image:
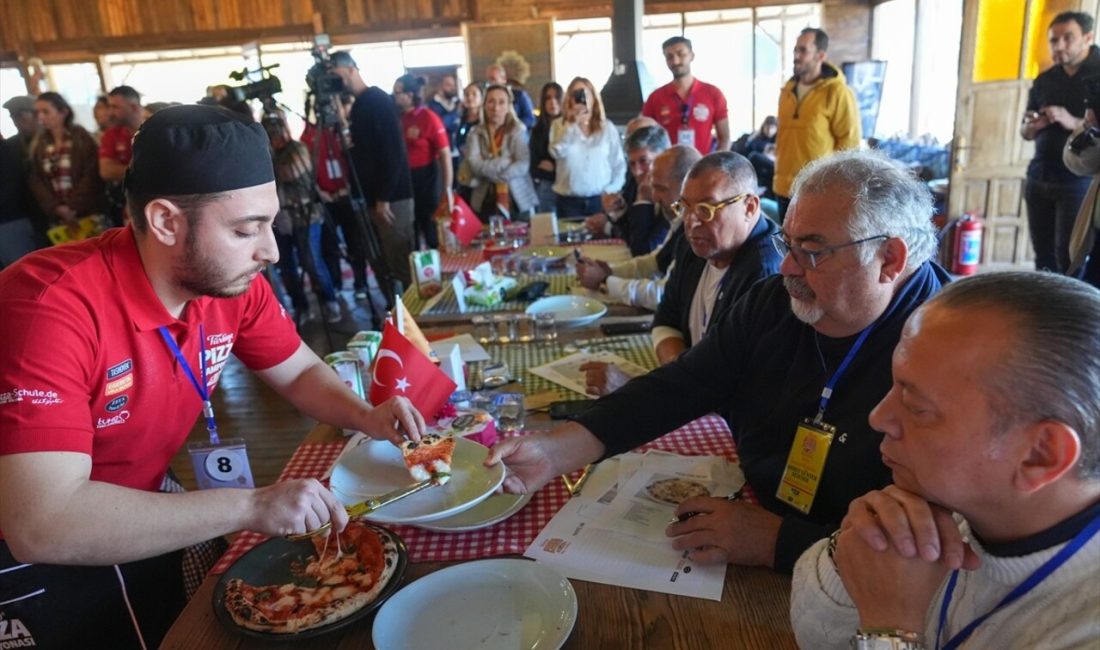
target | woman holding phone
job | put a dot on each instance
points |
(588, 152)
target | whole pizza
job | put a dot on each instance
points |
(343, 576)
(676, 490)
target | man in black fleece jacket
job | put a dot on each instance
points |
(382, 165)
(858, 242)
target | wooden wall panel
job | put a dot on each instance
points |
(82, 29)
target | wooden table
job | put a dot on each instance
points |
(753, 613)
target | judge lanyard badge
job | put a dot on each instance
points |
(221, 463)
(813, 437)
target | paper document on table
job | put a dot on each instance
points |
(566, 370)
(576, 545)
(470, 349)
(646, 501)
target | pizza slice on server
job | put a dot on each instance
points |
(429, 458)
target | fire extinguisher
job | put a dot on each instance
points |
(968, 245)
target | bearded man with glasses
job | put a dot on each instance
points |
(797, 364)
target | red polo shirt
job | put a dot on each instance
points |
(425, 136)
(117, 144)
(83, 367)
(703, 106)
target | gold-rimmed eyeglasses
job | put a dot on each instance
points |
(704, 211)
(810, 258)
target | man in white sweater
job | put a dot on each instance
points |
(640, 280)
(988, 538)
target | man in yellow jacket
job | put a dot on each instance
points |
(817, 114)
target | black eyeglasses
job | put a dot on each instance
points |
(704, 211)
(809, 259)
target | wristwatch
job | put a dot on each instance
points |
(887, 639)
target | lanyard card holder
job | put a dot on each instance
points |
(805, 465)
(224, 465)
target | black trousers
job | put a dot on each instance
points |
(426, 193)
(89, 607)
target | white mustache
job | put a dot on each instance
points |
(798, 289)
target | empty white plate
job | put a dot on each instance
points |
(569, 311)
(376, 467)
(499, 604)
(491, 511)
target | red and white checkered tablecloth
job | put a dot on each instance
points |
(707, 436)
(467, 259)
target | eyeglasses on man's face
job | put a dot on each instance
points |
(704, 211)
(810, 258)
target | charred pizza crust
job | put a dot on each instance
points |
(430, 457)
(332, 585)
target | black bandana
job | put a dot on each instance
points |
(198, 150)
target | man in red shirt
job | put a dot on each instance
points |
(99, 387)
(126, 115)
(689, 109)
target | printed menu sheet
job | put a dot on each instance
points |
(613, 532)
(566, 370)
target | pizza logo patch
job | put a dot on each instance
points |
(119, 385)
(701, 112)
(120, 369)
(412, 133)
(665, 111)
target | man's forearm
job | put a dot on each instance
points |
(318, 392)
(99, 523)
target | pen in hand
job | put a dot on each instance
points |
(736, 496)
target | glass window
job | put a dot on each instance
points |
(79, 84)
(583, 49)
(896, 21)
(11, 85)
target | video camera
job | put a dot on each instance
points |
(320, 78)
(263, 88)
(1089, 136)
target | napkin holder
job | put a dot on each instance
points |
(544, 229)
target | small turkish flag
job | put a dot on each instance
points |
(401, 369)
(464, 223)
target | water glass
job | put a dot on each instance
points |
(485, 330)
(546, 327)
(505, 327)
(525, 328)
(497, 228)
(510, 412)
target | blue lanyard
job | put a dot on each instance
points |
(1040, 574)
(200, 388)
(827, 392)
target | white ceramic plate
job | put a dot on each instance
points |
(493, 510)
(546, 253)
(376, 467)
(489, 604)
(569, 311)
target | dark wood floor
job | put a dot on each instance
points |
(247, 408)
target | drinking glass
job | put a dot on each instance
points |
(546, 327)
(497, 229)
(510, 412)
(485, 330)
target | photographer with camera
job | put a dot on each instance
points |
(588, 152)
(1055, 107)
(381, 163)
(1082, 157)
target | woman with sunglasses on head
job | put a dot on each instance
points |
(499, 159)
(543, 166)
(588, 151)
(429, 154)
(64, 175)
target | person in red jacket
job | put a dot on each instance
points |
(429, 154)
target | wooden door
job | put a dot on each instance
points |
(990, 157)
